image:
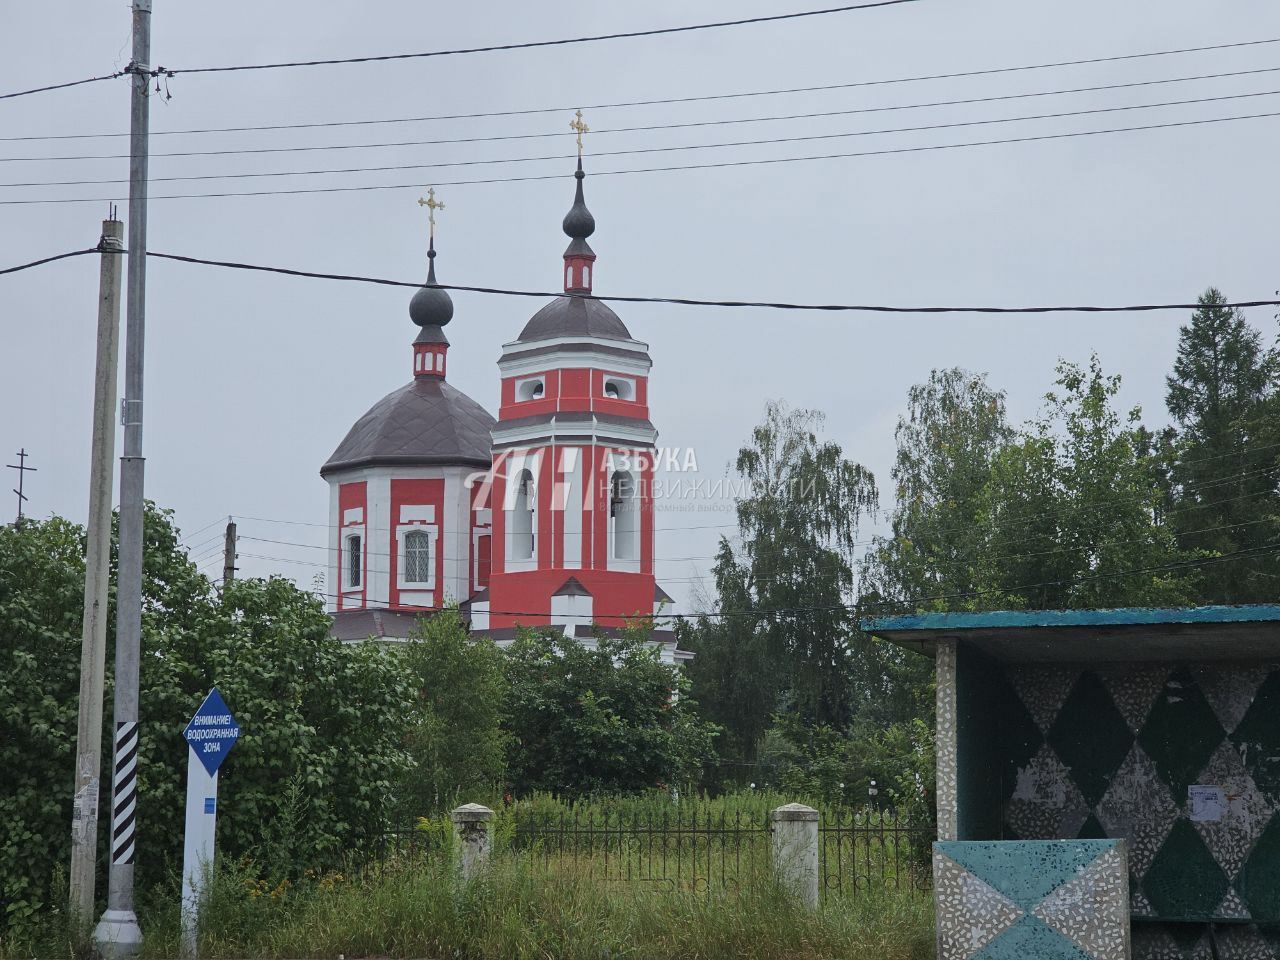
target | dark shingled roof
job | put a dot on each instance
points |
(572, 588)
(427, 421)
(354, 625)
(574, 317)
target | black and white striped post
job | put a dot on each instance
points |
(124, 794)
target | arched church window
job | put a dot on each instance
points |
(624, 516)
(417, 557)
(354, 561)
(522, 518)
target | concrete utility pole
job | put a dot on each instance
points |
(117, 935)
(229, 553)
(93, 642)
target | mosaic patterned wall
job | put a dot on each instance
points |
(1182, 760)
(1016, 900)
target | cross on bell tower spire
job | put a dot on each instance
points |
(432, 205)
(431, 307)
(579, 258)
(579, 126)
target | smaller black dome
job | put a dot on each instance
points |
(578, 222)
(431, 306)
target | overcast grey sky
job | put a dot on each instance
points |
(252, 380)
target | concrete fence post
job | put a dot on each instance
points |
(471, 829)
(795, 850)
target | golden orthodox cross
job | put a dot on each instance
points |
(432, 205)
(578, 126)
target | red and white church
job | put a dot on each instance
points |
(544, 517)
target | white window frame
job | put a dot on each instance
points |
(510, 562)
(626, 385)
(402, 553)
(527, 389)
(612, 560)
(355, 530)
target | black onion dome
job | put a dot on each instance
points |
(578, 222)
(574, 317)
(425, 422)
(431, 306)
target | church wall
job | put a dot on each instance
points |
(420, 504)
(352, 498)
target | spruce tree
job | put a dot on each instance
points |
(1226, 473)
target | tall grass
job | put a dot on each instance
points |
(512, 913)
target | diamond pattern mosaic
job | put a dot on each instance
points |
(1182, 761)
(1012, 900)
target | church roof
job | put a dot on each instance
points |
(425, 422)
(574, 317)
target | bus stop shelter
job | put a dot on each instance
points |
(1158, 727)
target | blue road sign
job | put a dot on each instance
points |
(212, 732)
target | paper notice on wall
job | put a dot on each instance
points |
(1208, 802)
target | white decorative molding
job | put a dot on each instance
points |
(417, 513)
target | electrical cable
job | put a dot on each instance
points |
(62, 86)
(664, 149)
(681, 301)
(249, 151)
(718, 165)
(858, 608)
(527, 45)
(786, 91)
(39, 263)
(685, 301)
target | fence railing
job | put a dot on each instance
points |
(691, 849)
(871, 849)
(682, 850)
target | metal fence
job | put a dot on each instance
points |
(859, 851)
(866, 850)
(687, 849)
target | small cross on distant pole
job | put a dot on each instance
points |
(579, 127)
(432, 205)
(23, 470)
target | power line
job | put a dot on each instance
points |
(761, 613)
(39, 263)
(685, 301)
(718, 165)
(785, 91)
(679, 301)
(527, 45)
(248, 151)
(647, 150)
(63, 86)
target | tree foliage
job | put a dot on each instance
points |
(455, 737)
(1224, 395)
(786, 640)
(608, 718)
(320, 749)
(947, 441)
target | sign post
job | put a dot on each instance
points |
(210, 735)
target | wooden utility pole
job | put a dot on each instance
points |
(93, 640)
(229, 553)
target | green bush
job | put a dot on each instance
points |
(604, 720)
(322, 724)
